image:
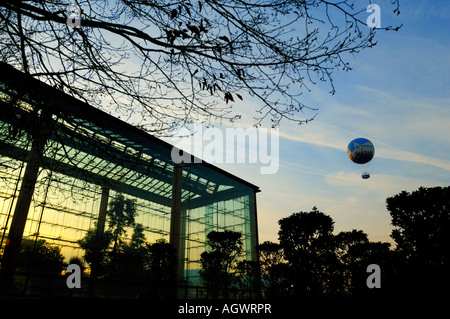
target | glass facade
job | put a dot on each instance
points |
(86, 158)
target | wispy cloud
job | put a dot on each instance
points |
(383, 184)
(334, 137)
(401, 129)
(401, 155)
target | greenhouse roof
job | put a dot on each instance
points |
(92, 145)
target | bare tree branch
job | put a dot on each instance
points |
(162, 64)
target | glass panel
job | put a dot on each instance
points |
(217, 203)
(82, 157)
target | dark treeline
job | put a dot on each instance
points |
(309, 261)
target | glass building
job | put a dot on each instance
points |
(62, 161)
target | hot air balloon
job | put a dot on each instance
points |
(361, 151)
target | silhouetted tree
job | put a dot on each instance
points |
(219, 262)
(248, 279)
(422, 234)
(275, 271)
(308, 244)
(161, 263)
(137, 243)
(127, 263)
(320, 264)
(121, 213)
(40, 256)
(95, 245)
(344, 278)
(364, 253)
(78, 261)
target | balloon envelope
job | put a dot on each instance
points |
(360, 150)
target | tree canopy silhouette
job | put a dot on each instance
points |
(220, 261)
(95, 245)
(160, 261)
(160, 65)
(308, 244)
(422, 233)
(274, 270)
(121, 213)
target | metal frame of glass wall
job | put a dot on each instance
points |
(88, 157)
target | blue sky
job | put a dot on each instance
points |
(397, 95)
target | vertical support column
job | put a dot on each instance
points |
(253, 225)
(182, 253)
(22, 206)
(209, 219)
(175, 219)
(254, 241)
(101, 221)
(248, 228)
(12, 248)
